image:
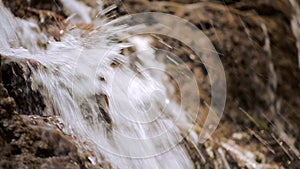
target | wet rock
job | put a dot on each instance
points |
(16, 79)
(49, 15)
(7, 104)
(34, 143)
(20, 7)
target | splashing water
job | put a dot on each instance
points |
(137, 126)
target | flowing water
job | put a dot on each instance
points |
(123, 105)
(136, 126)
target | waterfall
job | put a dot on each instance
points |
(135, 126)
